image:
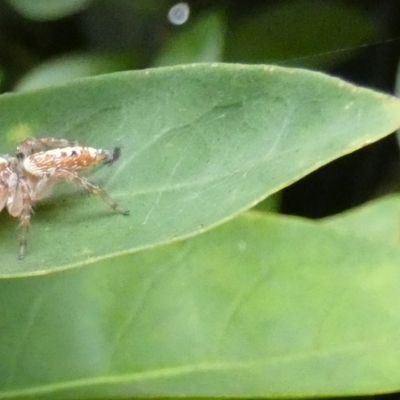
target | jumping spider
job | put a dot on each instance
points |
(40, 163)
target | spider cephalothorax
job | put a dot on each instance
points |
(40, 163)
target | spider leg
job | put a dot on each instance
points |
(22, 197)
(3, 195)
(70, 176)
(4, 176)
(36, 144)
(54, 143)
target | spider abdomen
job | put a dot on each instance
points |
(75, 158)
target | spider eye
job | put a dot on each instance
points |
(116, 153)
(20, 156)
(114, 157)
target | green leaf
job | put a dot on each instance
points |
(202, 42)
(271, 203)
(378, 220)
(66, 68)
(300, 33)
(228, 313)
(200, 144)
(44, 10)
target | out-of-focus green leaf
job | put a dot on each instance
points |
(200, 144)
(271, 203)
(68, 68)
(378, 220)
(228, 313)
(302, 33)
(202, 42)
(43, 10)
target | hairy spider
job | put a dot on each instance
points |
(40, 163)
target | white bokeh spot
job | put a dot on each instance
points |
(179, 13)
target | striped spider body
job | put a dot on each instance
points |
(39, 164)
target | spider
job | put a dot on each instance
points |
(40, 163)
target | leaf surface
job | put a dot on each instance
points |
(378, 220)
(228, 313)
(200, 144)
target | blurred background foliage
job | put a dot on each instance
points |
(47, 42)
